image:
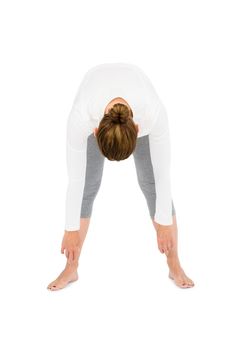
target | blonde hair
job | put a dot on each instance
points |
(117, 133)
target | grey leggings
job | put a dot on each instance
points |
(94, 171)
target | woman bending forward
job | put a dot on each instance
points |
(117, 112)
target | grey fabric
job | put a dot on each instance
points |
(94, 171)
(93, 178)
(145, 173)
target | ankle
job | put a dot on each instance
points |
(172, 259)
(71, 267)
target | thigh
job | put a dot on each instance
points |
(93, 177)
(145, 173)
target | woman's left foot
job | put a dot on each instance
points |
(177, 274)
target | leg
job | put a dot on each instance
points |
(145, 176)
(94, 171)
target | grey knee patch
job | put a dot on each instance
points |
(145, 173)
(93, 178)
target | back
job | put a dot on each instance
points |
(106, 81)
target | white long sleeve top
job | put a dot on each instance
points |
(98, 87)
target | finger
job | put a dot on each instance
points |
(75, 254)
(70, 260)
(62, 249)
(164, 247)
(167, 252)
(168, 248)
(161, 250)
(67, 254)
(160, 246)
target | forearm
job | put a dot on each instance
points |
(73, 204)
(160, 148)
(163, 213)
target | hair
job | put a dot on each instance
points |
(117, 133)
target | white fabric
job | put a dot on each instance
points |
(98, 87)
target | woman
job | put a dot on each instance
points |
(116, 113)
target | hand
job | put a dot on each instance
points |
(71, 245)
(165, 237)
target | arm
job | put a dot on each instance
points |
(76, 146)
(160, 148)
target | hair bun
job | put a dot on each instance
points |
(119, 119)
(119, 113)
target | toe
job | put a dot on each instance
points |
(187, 284)
(51, 284)
(54, 287)
(183, 283)
(180, 282)
(191, 283)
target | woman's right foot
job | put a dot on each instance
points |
(66, 276)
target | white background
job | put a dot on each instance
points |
(123, 298)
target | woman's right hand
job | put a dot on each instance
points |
(71, 245)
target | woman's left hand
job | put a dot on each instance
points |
(165, 237)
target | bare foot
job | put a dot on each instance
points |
(177, 274)
(65, 277)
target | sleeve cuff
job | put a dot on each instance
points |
(72, 228)
(163, 220)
